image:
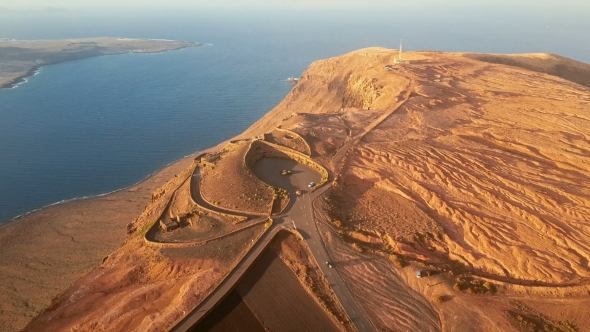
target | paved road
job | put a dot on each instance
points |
(302, 213)
(228, 284)
(298, 214)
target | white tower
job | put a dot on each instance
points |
(399, 59)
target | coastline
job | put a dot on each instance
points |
(16, 219)
(46, 250)
(21, 79)
(420, 297)
(34, 70)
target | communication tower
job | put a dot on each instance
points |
(399, 59)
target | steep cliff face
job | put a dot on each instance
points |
(361, 92)
(354, 81)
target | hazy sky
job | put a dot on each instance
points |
(40, 4)
(257, 4)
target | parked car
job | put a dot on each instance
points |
(425, 273)
(311, 184)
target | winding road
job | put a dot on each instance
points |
(298, 215)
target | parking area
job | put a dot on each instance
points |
(269, 170)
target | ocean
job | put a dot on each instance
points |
(92, 126)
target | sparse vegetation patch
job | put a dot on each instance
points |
(527, 320)
(471, 285)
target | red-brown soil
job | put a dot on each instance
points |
(389, 303)
(45, 252)
(324, 133)
(140, 288)
(275, 295)
(205, 224)
(483, 170)
(280, 292)
(552, 64)
(288, 139)
(181, 201)
(476, 171)
(496, 156)
(229, 184)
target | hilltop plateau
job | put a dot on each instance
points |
(469, 170)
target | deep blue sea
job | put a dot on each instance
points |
(93, 126)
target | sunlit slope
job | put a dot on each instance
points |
(497, 156)
(552, 64)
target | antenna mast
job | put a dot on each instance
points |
(399, 60)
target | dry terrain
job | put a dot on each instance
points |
(481, 175)
(324, 133)
(21, 58)
(288, 139)
(275, 294)
(472, 169)
(229, 184)
(45, 252)
(141, 288)
(204, 224)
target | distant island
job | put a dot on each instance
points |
(20, 59)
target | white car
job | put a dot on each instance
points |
(311, 185)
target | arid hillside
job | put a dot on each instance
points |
(459, 200)
(498, 157)
(474, 168)
(552, 64)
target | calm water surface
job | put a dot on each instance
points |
(92, 126)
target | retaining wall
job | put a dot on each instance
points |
(262, 149)
(205, 241)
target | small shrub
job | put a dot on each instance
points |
(268, 223)
(474, 286)
(440, 299)
(397, 261)
(357, 248)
